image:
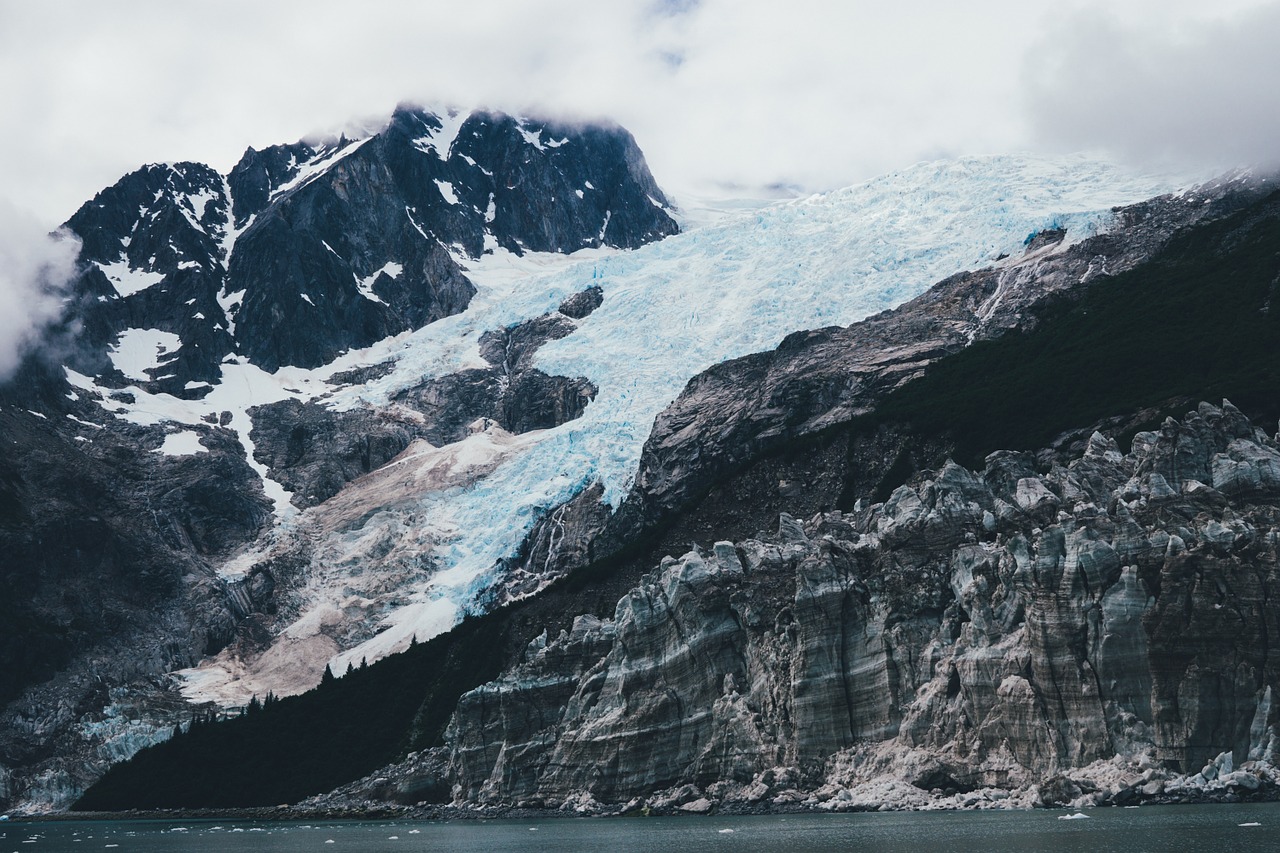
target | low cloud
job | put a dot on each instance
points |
(1202, 94)
(35, 268)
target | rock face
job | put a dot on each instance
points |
(978, 629)
(728, 425)
(114, 522)
(306, 250)
(108, 549)
(314, 451)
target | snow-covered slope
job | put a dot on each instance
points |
(670, 310)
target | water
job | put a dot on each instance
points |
(1152, 828)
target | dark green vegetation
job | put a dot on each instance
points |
(1199, 322)
(289, 749)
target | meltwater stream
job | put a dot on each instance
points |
(1240, 828)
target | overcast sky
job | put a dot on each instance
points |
(816, 93)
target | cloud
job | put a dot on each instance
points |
(1201, 93)
(35, 268)
(819, 93)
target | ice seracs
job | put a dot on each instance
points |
(670, 310)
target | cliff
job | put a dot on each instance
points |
(1096, 632)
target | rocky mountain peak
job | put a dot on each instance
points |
(310, 249)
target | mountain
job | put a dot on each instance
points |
(464, 374)
(1068, 623)
(132, 476)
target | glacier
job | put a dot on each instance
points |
(675, 308)
(734, 284)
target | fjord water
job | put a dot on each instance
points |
(1240, 828)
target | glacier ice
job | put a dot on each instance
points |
(674, 308)
(737, 284)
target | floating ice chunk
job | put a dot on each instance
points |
(1076, 816)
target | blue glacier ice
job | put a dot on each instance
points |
(674, 308)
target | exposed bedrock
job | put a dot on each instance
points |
(737, 443)
(314, 451)
(995, 628)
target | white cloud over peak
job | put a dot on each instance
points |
(818, 93)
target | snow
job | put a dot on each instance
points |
(184, 443)
(242, 386)
(532, 137)
(446, 190)
(439, 142)
(128, 280)
(324, 160)
(230, 303)
(193, 206)
(736, 283)
(760, 274)
(471, 162)
(365, 285)
(140, 350)
(408, 211)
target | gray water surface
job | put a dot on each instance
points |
(1152, 828)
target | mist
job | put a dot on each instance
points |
(35, 269)
(1201, 95)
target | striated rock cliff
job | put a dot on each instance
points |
(1100, 627)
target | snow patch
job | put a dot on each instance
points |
(128, 280)
(365, 285)
(184, 443)
(314, 168)
(438, 142)
(446, 191)
(532, 137)
(137, 351)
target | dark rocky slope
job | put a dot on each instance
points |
(344, 242)
(991, 629)
(891, 590)
(303, 251)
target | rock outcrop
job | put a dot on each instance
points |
(115, 519)
(307, 250)
(724, 433)
(314, 450)
(1018, 628)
